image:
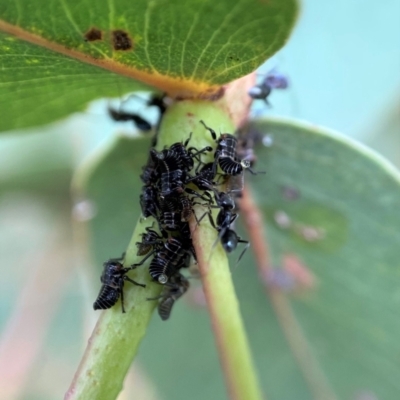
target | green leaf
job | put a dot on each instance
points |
(110, 179)
(349, 318)
(39, 85)
(49, 70)
(34, 163)
(334, 205)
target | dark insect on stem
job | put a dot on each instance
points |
(174, 165)
(179, 155)
(186, 208)
(173, 290)
(172, 182)
(187, 243)
(204, 179)
(170, 221)
(174, 210)
(150, 173)
(226, 154)
(225, 218)
(113, 279)
(165, 261)
(149, 201)
(151, 240)
(230, 240)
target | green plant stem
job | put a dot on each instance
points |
(116, 337)
(232, 344)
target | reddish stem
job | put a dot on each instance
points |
(308, 364)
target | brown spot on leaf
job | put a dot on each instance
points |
(93, 34)
(121, 40)
(234, 58)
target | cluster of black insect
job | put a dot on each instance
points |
(167, 197)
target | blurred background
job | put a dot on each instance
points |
(343, 63)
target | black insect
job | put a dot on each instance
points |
(179, 155)
(149, 201)
(158, 101)
(186, 208)
(175, 210)
(172, 182)
(170, 209)
(173, 165)
(230, 240)
(204, 178)
(122, 116)
(172, 172)
(165, 260)
(155, 100)
(226, 154)
(186, 239)
(173, 177)
(273, 80)
(150, 174)
(151, 240)
(113, 279)
(225, 218)
(173, 290)
(183, 157)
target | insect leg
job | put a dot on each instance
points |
(118, 258)
(188, 139)
(161, 296)
(133, 266)
(213, 134)
(255, 172)
(207, 148)
(220, 232)
(244, 250)
(134, 282)
(121, 290)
